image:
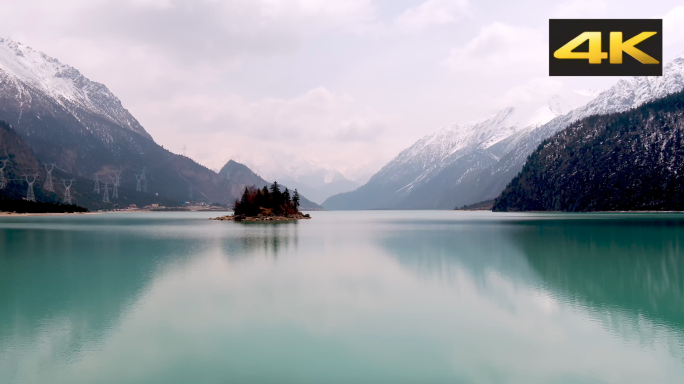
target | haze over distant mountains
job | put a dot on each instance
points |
(309, 176)
(81, 126)
(420, 176)
(67, 119)
(472, 162)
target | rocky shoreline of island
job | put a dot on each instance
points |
(239, 218)
(266, 205)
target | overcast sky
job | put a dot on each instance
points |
(345, 81)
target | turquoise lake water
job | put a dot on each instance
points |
(347, 297)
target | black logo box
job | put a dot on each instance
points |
(561, 31)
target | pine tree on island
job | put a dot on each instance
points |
(267, 202)
(295, 200)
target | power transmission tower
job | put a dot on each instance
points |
(184, 149)
(48, 178)
(105, 198)
(144, 181)
(3, 181)
(138, 178)
(115, 187)
(118, 177)
(116, 181)
(30, 196)
(97, 184)
(67, 190)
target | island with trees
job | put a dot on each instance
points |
(266, 204)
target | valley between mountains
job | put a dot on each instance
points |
(52, 114)
(63, 118)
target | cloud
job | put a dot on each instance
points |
(191, 30)
(580, 8)
(501, 48)
(318, 120)
(432, 12)
(534, 90)
(673, 26)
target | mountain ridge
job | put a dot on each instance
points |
(479, 172)
(82, 127)
(632, 160)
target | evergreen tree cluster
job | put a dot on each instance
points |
(23, 206)
(267, 201)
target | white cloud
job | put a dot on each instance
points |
(319, 123)
(580, 9)
(532, 91)
(673, 26)
(432, 12)
(501, 48)
(189, 30)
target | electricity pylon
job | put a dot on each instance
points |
(138, 178)
(48, 179)
(67, 190)
(97, 184)
(115, 187)
(105, 198)
(30, 196)
(3, 181)
(144, 181)
(117, 174)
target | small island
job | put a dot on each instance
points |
(266, 205)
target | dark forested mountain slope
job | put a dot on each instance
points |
(19, 161)
(632, 160)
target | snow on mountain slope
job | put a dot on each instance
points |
(472, 162)
(624, 95)
(25, 71)
(461, 148)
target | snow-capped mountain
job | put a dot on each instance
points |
(81, 126)
(624, 95)
(25, 72)
(311, 177)
(470, 146)
(471, 162)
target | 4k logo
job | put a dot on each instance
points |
(635, 47)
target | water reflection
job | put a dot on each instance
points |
(266, 239)
(626, 272)
(378, 297)
(75, 284)
(622, 270)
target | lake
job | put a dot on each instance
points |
(347, 297)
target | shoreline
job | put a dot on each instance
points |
(13, 214)
(260, 218)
